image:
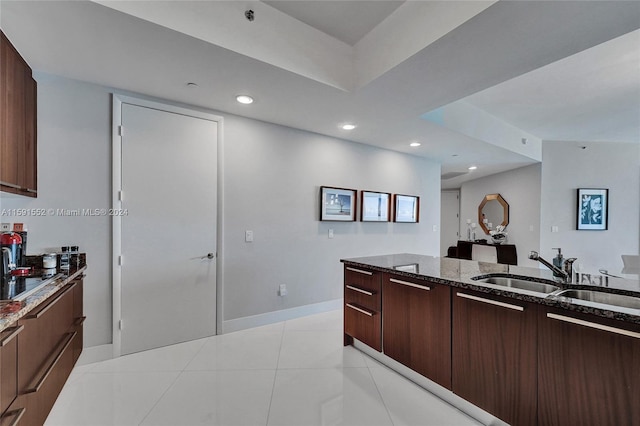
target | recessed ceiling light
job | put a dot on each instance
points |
(244, 99)
(473, 167)
(414, 144)
(348, 126)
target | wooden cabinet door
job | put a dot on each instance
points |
(416, 324)
(494, 355)
(28, 158)
(13, 128)
(588, 370)
(18, 118)
(8, 366)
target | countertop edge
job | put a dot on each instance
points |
(33, 301)
(475, 286)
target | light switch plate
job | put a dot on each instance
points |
(248, 236)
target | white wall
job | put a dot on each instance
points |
(74, 172)
(271, 179)
(521, 189)
(567, 167)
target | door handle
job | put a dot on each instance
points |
(206, 256)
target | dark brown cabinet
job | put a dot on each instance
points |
(362, 307)
(8, 367)
(18, 118)
(416, 326)
(48, 349)
(588, 370)
(494, 363)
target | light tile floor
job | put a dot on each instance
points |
(291, 373)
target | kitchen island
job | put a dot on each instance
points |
(526, 355)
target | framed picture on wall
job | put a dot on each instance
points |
(375, 206)
(407, 208)
(593, 209)
(338, 204)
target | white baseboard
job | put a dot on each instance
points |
(278, 316)
(95, 354)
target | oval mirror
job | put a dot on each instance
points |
(493, 210)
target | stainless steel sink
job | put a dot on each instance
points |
(519, 284)
(611, 299)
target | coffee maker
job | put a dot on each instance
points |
(11, 246)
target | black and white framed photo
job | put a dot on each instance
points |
(375, 206)
(338, 204)
(407, 208)
(593, 209)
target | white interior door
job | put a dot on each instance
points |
(168, 235)
(449, 220)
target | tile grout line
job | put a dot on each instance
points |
(174, 380)
(275, 375)
(384, 403)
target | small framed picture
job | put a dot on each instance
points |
(375, 206)
(407, 208)
(593, 209)
(338, 204)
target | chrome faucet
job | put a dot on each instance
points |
(556, 271)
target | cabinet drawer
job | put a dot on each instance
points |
(362, 279)
(363, 324)
(8, 366)
(362, 297)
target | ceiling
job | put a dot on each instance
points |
(494, 74)
(346, 20)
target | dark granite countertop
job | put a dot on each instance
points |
(458, 273)
(11, 311)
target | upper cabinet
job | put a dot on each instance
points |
(18, 119)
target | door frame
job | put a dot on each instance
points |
(117, 101)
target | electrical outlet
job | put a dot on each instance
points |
(330, 233)
(282, 290)
(5, 227)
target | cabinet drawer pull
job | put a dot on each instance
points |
(16, 414)
(594, 325)
(359, 290)
(79, 321)
(349, 305)
(421, 287)
(50, 304)
(65, 345)
(360, 271)
(13, 332)
(491, 302)
(10, 185)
